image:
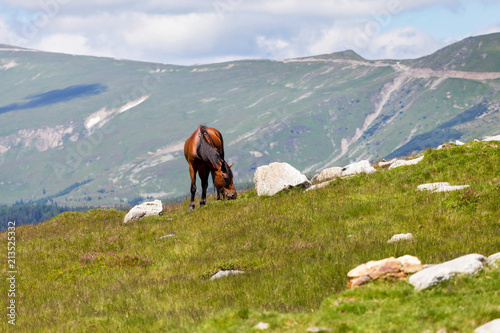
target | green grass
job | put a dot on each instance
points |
(89, 272)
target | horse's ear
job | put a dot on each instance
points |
(230, 165)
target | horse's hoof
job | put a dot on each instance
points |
(191, 209)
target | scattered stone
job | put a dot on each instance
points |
(400, 237)
(491, 327)
(326, 175)
(275, 177)
(399, 163)
(459, 143)
(493, 259)
(445, 146)
(389, 268)
(441, 187)
(383, 163)
(262, 326)
(493, 145)
(492, 138)
(317, 186)
(221, 274)
(358, 167)
(319, 329)
(432, 186)
(468, 264)
(450, 188)
(152, 208)
(171, 235)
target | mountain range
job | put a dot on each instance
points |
(80, 130)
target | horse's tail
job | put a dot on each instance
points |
(205, 135)
(205, 149)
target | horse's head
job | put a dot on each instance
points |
(223, 180)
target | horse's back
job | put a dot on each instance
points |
(192, 142)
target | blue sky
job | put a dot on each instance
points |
(208, 31)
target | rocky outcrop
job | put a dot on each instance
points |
(275, 177)
(469, 264)
(153, 208)
(389, 268)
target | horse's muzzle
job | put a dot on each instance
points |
(231, 196)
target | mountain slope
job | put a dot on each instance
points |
(84, 130)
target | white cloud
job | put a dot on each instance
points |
(193, 31)
(172, 33)
(65, 43)
(402, 43)
(487, 30)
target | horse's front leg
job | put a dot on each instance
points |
(192, 173)
(219, 197)
(204, 185)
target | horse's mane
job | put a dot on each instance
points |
(205, 151)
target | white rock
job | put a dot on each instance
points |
(493, 259)
(319, 329)
(491, 327)
(383, 163)
(459, 143)
(450, 188)
(317, 186)
(469, 264)
(432, 186)
(261, 326)
(441, 187)
(167, 236)
(358, 167)
(400, 237)
(326, 175)
(152, 208)
(399, 163)
(225, 273)
(492, 138)
(275, 177)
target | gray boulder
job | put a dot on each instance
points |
(152, 208)
(468, 264)
(326, 175)
(358, 167)
(491, 327)
(275, 177)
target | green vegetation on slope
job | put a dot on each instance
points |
(89, 272)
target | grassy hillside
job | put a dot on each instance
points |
(89, 272)
(115, 127)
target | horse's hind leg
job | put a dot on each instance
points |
(204, 186)
(192, 173)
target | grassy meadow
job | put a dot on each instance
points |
(87, 272)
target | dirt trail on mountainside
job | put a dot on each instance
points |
(404, 74)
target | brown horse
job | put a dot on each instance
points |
(204, 152)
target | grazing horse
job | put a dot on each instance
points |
(204, 152)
